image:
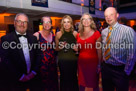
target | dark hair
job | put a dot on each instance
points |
(134, 27)
(46, 17)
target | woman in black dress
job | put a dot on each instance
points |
(67, 59)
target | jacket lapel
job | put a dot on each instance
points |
(20, 51)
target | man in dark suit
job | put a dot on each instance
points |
(20, 60)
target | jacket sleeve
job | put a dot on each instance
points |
(7, 63)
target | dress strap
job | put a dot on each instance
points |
(39, 35)
(39, 32)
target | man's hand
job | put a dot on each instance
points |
(24, 78)
(31, 75)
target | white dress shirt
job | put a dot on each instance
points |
(24, 44)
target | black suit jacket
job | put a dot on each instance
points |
(13, 60)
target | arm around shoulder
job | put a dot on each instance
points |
(99, 49)
(75, 33)
(57, 37)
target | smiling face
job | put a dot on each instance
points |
(21, 24)
(66, 24)
(46, 23)
(111, 16)
(86, 20)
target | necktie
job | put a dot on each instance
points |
(19, 35)
(108, 41)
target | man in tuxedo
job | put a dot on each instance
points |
(20, 58)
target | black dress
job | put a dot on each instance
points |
(67, 62)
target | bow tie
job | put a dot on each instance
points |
(19, 35)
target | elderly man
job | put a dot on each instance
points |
(20, 61)
(118, 53)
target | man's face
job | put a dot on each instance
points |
(21, 24)
(111, 16)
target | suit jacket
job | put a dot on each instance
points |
(13, 60)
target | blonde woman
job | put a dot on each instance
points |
(67, 60)
(89, 56)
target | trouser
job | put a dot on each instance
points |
(33, 85)
(114, 77)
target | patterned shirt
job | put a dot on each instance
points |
(121, 47)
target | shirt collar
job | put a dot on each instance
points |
(19, 33)
(115, 25)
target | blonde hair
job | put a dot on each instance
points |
(92, 25)
(62, 23)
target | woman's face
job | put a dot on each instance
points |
(86, 21)
(46, 23)
(66, 24)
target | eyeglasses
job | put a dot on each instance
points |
(20, 22)
(86, 19)
(46, 22)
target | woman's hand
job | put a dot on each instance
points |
(98, 68)
(75, 47)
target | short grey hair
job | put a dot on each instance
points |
(21, 14)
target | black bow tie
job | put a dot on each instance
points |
(19, 35)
